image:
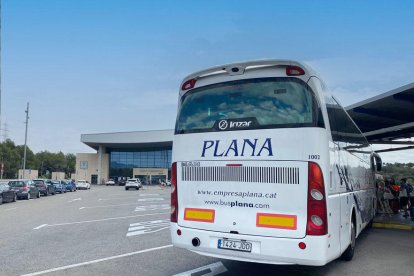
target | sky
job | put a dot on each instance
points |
(97, 66)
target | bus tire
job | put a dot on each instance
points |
(349, 252)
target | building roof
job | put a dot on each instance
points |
(128, 140)
(386, 117)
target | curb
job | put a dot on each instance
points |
(392, 226)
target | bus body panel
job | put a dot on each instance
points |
(265, 249)
(211, 183)
(273, 184)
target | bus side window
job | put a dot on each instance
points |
(332, 108)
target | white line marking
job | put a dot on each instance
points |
(149, 194)
(97, 261)
(76, 199)
(129, 234)
(151, 199)
(40, 226)
(147, 227)
(211, 270)
(10, 209)
(135, 228)
(150, 222)
(98, 220)
(116, 198)
(152, 207)
(105, 206)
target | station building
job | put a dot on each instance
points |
(138, 154)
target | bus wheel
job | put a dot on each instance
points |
(349, 252)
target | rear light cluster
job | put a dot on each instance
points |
(317, 223)
(188, 84)
(291, 70)
(174, 198)
(294, 71)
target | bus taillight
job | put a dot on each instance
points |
(174, 198)
(188, 84)
(317, 223)
(294, 71)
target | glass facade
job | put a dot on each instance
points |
(122, 161)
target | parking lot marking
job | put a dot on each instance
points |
(117, 198)
(208, 270)
(151, 199)
(99, 220)
(152, 207)
(10, 209)
(40, 226)
(150, 222)
(76, 199)
(105, 206)
(98, 260)
(149, 194)
(147, 227)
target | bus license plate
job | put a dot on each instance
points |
(234, 245)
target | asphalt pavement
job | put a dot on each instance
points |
(110, 231)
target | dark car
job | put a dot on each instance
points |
(60, 186)
(6, 194)
(24, 189)
(70, 186)
(44, 187)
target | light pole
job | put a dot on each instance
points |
(25, 141)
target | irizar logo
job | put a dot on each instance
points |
(240, 124)
(245, 147)
(224, 124)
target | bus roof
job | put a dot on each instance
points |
(238, 68)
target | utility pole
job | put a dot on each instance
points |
(0, 71)
(25, 141)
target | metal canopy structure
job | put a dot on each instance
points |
(387, 117)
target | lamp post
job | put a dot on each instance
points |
(25, 141)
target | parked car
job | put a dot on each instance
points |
(44, 187)
(7, 194)
(24, 189)
(83, 185)
(168, 183)
(70, 186)
(133, 183)
(122, 182)
(110, 182)
(59, 186)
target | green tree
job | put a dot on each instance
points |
(397, 171)
(49, 162)
(10, 157)
(30, 157)
(70, 163)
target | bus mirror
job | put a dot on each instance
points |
(378, 162)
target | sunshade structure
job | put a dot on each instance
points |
(387, 117)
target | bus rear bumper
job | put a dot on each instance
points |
(267, 250)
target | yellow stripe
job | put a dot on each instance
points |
(276, 221)
(203, 215)
(392, 226)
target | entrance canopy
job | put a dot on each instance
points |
(387, 117)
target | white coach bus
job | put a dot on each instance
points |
(268, 167)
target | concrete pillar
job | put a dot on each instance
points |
(100, 160)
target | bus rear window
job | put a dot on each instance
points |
(248, 104)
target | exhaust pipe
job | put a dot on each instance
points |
(196, 242)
